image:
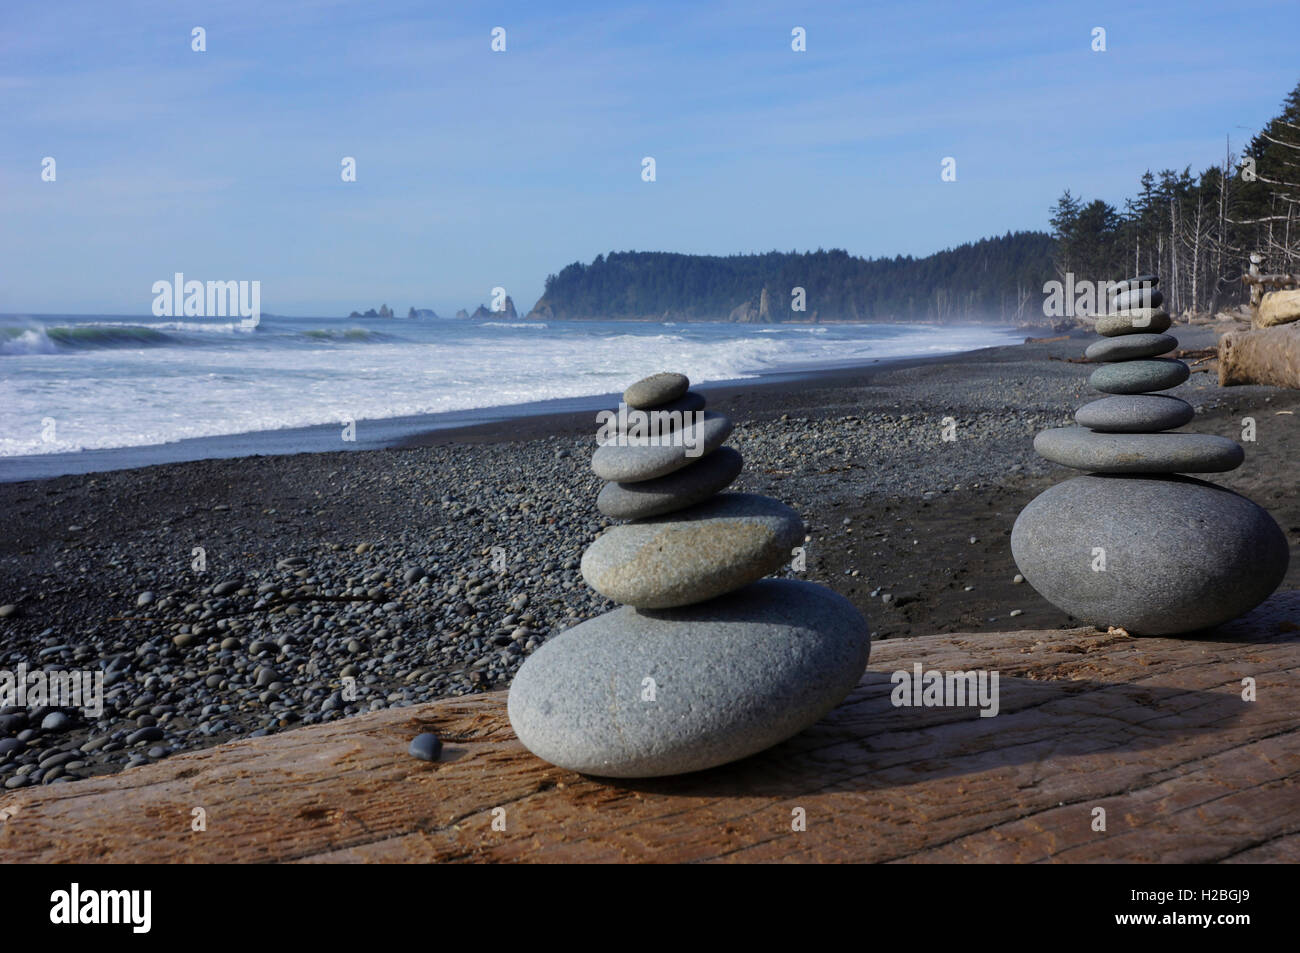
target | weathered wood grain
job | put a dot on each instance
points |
(1261, 356)
(1155, 731)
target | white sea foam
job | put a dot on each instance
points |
(113, 383)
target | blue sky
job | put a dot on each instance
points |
(477, 169)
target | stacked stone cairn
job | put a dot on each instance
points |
(1135, 543)
(706, 662)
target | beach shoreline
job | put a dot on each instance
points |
(434, 566)
(525, 420)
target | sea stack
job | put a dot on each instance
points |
(1136, 543)
(706, 662)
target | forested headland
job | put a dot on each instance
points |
(1195, 231)
(993, 279)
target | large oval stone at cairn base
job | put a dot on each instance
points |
(1138, 377)
(1180, 554)
(1135, 413)
(644, 460)
(691, 484)
(725, 678)
(1128, 346)
(1085, 449)
(1139, 321)
(692, 554)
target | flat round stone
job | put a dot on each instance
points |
(639, 459)
(1135, 413)
(1139, 321)
(1138, 377)
(639, 694)
(656, 389)
(1085, 449)
(693, 554)
(1130, 346)
(1140, 281)
(692, 484)
(667, 417)
(1146, 297)
(1157, 555)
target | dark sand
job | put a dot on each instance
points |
(891, 508)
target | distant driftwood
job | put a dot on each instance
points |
(1278, 307)
(1155, 732)
(1261, 356)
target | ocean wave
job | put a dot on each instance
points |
(233, 326)
(78, 338)
(347, 334)
(513, 324)
(296, 373)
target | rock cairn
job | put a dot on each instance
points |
(1135, 543)
(706, 662)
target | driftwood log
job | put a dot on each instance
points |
(1271, 281)
(1154, 731)
(1278, 307)
(1261, 356)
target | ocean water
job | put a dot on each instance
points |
(70, 383)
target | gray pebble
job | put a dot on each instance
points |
(693, 554)
(1140, 321)
(1135, 413)
(656, 389)
(55, 721)
(692, 484)
(152, 733)
(1146, 297)
(1138, 377)
(1085, 449)
(633, 463)
(1126, 347)
(426, 747)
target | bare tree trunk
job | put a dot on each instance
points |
(1196, 256)
(1173, 255)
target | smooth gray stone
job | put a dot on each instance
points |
(1130, 346)
(688, 404)
(425, 746)
(55, 721)
(1084, 449)
(693, 554)
(1180, 554)
(1138, 377)
(1146, 297)
(1135, 413)
(656, 389)
(682, 488)
(636, 462)
(150, 733)
(638, 694)
(1140, 281)
(1139, 321)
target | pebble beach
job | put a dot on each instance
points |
(244, 596)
